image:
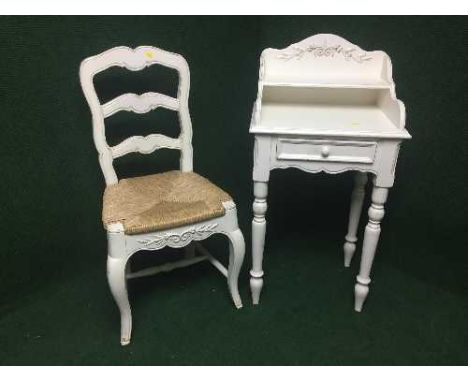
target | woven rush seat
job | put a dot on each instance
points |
(166, 200)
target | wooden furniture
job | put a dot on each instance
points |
(325, 104)
(171, 209)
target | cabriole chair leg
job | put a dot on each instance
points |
(236, 258)
(116, 276)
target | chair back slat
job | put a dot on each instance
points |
(139, 103)
(137, 59)
(145, 145)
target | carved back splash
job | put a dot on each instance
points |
(321, 57)
(137, 59)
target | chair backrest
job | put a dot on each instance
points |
(137, 59)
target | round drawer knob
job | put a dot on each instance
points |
(325, 151)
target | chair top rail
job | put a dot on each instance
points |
(133, 59)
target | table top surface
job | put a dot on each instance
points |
(326, 120)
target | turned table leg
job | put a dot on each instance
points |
(258, 239)
(357, 199)
(371, 238)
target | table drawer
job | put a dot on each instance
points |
(325, 150)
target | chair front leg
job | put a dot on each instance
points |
(116, 276)
(236, 258)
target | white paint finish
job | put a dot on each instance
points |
(121, 246)
(211, 259)
(326, 150)
(145, 145)
(357, 200)
(189, 259)
(258, 239)
(116, 276)
(332, 83)
(330, 120)
(174, 238)
(263, 151)
(236, 257)
(382, 165)
(323, 96)
(137, 59)
(139, 103)
(166, 267)
(307, 79)
(369, 246)
(326, 105)
(324, 58)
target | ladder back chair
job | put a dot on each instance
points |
(173, 208)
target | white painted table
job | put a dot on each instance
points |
(325, 104)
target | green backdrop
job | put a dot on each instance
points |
(55, 307)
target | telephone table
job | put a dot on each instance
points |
(326, 105)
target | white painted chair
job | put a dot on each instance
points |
(169, 209)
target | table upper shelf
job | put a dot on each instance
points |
(324, 85)
(344, 83)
